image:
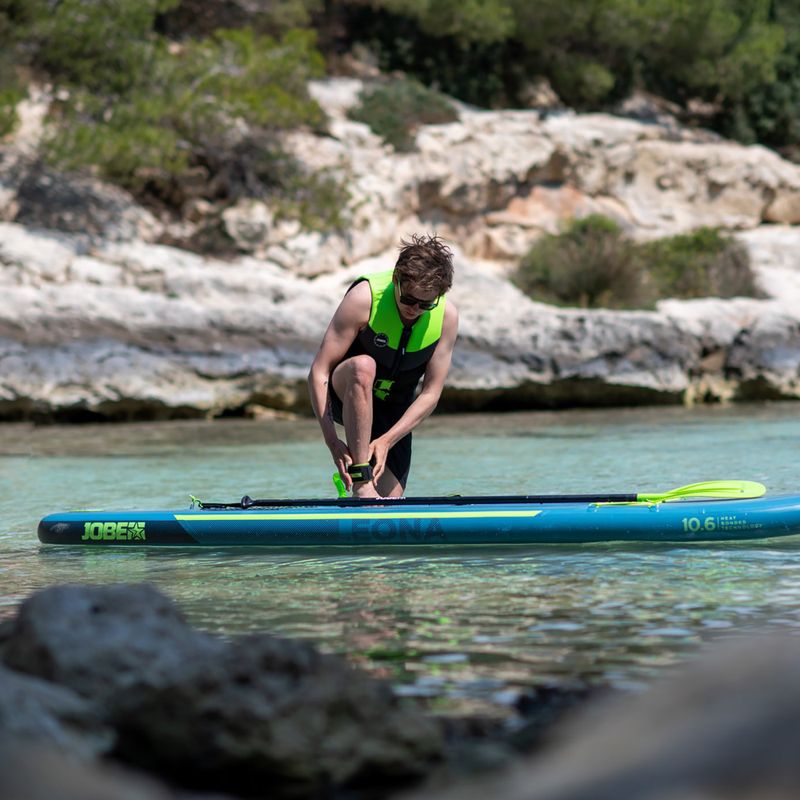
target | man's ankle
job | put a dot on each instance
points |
(365, 489)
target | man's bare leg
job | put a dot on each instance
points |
(388, 485)
(353, 380)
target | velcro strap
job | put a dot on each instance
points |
(360, 472)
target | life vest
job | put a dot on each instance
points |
(401, 352)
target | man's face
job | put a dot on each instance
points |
(413, 301)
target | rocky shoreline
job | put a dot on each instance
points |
(108, 692)
(101, 320)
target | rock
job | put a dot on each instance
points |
(207, 712)
(138, 331)
(480, 164)
(33, 710)
(76, 204)
(540, 355)
(774, 251)
(725, 726)
(38, 773)
(252, 226)
(540, 94)
(766, 358)
(34, 258)
(784, 209)
(80, 638)
(649, 108)
(337, 95)
(110, 326)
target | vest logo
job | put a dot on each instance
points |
(382, 387)
(380, 340)
(113, 531)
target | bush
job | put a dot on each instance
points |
(106, 46)
(728, 53)
(199, 18)
(209, 107)
(9, 97)
(14, 15)
(396, 109)
(10, 94)
(705, 263)
(593, 265)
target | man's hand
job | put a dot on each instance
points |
(378, 453)
(342, 459)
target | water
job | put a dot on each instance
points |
(469, 628)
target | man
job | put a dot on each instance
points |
(391, 329)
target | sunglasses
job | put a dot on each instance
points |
(410, 300)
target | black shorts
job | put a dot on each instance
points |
(384, 416)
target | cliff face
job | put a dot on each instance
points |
(97, 318)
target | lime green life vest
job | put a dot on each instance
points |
(401, 351)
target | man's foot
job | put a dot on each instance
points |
(365, 490)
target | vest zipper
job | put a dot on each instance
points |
(401, 350)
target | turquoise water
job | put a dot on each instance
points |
(471, 627)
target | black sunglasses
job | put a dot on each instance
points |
(410, 300)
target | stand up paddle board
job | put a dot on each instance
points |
(714, 511)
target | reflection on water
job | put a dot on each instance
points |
(470, 624)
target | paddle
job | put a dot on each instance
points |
(711, 490)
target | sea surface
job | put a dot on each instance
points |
(471, 628)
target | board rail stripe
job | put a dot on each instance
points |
(349, 515)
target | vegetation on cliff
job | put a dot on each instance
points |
(734, 62)
(397, 107)
(593, 264)
(731, 64)
(173, 119)
(184, 102)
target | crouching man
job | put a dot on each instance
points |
(390, 329)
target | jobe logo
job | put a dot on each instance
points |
(113, 531)
(381, 340)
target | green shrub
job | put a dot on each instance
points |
(704, 263)
(9, 97)
(319, 200)
(396, 109)
(198, 18)
(14, 16)
(729, 53)
(106, 46)
(594, 265)
(11, 92)
(213, 105)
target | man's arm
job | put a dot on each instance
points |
(428, 398)
(350, 317)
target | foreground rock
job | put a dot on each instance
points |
(203, 712)
(118, 672)
(33, 710)
(30, 772)
(727, 726)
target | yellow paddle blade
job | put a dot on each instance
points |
(712, 490)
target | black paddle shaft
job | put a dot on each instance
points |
(455, 500)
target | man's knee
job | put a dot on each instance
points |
(360, 372)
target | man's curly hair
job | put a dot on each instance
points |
(426, 263)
